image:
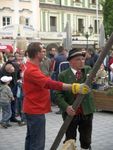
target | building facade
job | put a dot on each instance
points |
(19, 22)
(82, 14)
(47, 19)
(19, 17)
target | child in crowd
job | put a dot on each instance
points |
(6, 96)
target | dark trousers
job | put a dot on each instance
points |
(19, 104)
(35, 137)
(84, 125)
(13, 109)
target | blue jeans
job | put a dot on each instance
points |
(6, 112)
(35, 137)
(19, 106)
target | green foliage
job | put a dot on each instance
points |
(108, 16)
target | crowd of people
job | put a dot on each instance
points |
(32, 81)
(11, 67)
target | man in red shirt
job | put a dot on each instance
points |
(37, 97)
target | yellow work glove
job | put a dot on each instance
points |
(80, 88)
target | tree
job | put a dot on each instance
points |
(108, 16)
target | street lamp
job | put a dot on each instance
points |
(87, 34)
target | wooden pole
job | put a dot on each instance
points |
(81, 97)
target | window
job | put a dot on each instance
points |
(80, 25)
(53, 23)
(6, 21)
(78, 1)
(27, 22)
(93, 1)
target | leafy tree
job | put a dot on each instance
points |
(108, 16)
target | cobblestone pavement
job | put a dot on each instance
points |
(13, 137)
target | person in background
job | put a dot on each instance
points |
(52, 52)
(36, 101)
(82, 118)
(18, 58)
(4, 56)
(25, 57)
(1, 60)
(10, 57)
(9, 69)
(91, 57)
(88, 58)
(6, 96)
(60, 58)
(101, 79)
(19, 101)
(111, 67)
(51, 55)
(45, 64)
(105, 62)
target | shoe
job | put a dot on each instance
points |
(22, 123)
(86, 149)
(53, 104)
(9, 125)
(15, 120)
(90, 148)
(4, 125)
(58, 112)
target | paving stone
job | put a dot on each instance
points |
(13, 137)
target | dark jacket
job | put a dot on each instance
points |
(15, 75)
(58, 59)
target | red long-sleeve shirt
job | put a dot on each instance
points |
(36, 90)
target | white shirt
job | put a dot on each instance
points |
(74, 71)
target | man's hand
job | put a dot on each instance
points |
(70, 111)
(80, 88)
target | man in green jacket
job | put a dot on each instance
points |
(82, 118)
